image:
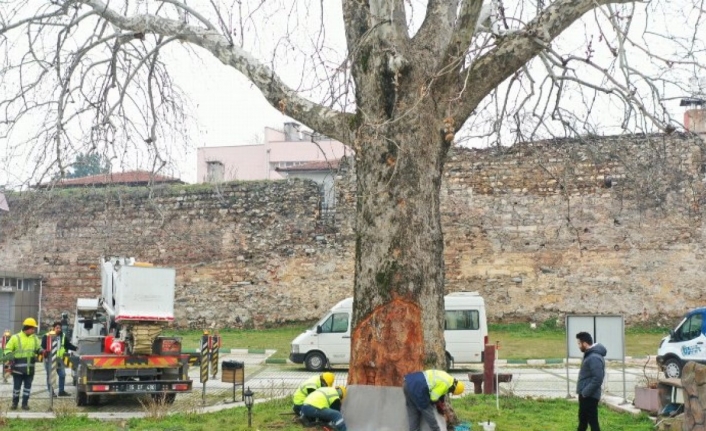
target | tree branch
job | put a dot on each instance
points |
(436, 30)
(322, 119)
(515, 50)
(464, 29)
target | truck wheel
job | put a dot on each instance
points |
(672, 368)
(81, 399)
(315, 362)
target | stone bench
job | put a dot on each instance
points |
(478, 378)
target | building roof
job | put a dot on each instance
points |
(130, 178)
(326, 165)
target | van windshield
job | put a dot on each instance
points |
(334, 323)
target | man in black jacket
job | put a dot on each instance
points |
(590, 381)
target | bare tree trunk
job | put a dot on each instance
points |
(399, 279)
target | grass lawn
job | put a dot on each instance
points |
(515, 414)
(517, 341)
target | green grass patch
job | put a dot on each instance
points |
(255, 340)
(515, 414)
(524, 414)
(519, 341)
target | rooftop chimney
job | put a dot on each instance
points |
(695, 115)
(291, 132)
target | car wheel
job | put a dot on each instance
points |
(672, 368)
(315, 361)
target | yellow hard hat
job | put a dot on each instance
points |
(328, 378)
(342, 391)
(458, 389)
(29, 322)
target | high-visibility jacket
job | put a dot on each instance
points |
(439, 383)
(324, 398)
(61, 340)
(24, 349)
(308, 386)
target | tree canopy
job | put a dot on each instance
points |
(400, 81)
(88, 164)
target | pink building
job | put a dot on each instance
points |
(282, 149)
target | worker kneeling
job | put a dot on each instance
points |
(325, 404)
(308, 386)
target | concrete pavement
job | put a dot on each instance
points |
(279, 380)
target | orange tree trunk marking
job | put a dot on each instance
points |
(387, 345)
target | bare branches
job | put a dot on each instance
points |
(273, 89)
(517, 49)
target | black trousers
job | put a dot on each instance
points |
(588, 414)
(20, 380)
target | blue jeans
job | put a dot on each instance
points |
(60, 371)
(327, 415)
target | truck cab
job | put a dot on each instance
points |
(687, 342)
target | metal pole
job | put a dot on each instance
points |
(39, 306)
(5, 338)
(53, 348)
(625, 399)
(215, 347)
(497, 378)
(205, 361)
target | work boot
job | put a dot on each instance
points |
(64, 394)
(13, 407)
(25, 407)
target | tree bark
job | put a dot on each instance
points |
(399, 276)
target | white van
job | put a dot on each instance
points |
(687, 342)
(329, 341)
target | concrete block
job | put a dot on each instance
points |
(378, 408)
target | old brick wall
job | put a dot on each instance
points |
(609, 224)
(244, 252)
(539, 233)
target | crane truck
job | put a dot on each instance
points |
(120, 349)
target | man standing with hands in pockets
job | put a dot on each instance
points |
(590, 381)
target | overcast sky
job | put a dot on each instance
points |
(228, 110)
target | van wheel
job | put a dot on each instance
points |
(315, 362)
(672, 368)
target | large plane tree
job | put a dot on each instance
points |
(410, 79)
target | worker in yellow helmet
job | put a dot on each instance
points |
(424, 391)
(308, 386)
(324, 404)
(22, 350)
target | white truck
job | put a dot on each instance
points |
(120, 350)
(329, 341)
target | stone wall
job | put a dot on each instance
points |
(244, 252)
(609, 225)
(603, 225)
